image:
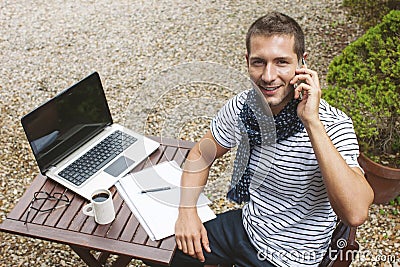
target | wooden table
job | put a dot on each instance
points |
(124, 237)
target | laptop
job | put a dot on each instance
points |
(76, 143)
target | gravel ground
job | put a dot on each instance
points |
(147, 51)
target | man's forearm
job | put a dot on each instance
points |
(348, 191)
(194, 178)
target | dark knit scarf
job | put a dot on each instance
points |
(259, 128)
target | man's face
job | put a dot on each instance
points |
(272, 63)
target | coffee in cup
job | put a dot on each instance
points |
(101, 207)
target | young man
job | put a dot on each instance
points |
(311, 177)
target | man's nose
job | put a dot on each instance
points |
(269, 73)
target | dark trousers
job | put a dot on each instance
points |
(228, 242)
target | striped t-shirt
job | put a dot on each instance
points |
(289, 218)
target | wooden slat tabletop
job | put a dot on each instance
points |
(68, 225)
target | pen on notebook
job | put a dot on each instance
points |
(155, 189)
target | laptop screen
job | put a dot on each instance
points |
(61, 125)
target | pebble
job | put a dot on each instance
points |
(46, 46)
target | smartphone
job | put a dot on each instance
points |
(303, 64)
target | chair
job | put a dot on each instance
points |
(342, 249)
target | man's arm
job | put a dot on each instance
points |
(190, 233)
(349, 192)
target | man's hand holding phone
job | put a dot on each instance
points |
(308, 91)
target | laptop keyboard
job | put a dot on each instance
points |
(97, 157)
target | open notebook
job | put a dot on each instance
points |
(153, 196)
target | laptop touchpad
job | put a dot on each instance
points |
(118, 166)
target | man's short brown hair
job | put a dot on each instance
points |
(276, 23)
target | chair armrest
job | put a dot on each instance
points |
(343, 247)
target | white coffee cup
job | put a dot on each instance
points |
(101, 207)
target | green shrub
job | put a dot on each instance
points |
(364, 81)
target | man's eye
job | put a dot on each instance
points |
(282, 62)
(258, 63)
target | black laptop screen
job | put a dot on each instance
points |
(64, 123)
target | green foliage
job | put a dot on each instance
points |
(364, 81)
(368, 13)
(395, 203)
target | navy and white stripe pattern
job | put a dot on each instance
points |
(259, 127)
(289, 218)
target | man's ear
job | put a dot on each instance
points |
(247, 60)
(305, 55)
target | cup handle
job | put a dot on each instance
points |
(88, 209)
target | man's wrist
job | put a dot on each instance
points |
(314, 126)
(187, 209)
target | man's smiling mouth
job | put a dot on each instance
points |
(270, 88)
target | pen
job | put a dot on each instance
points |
(155, 189)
